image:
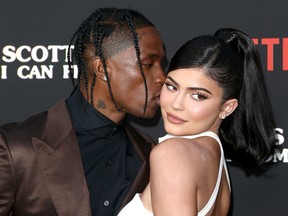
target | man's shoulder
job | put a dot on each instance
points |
(31, 126)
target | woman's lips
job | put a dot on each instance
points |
(174, 119)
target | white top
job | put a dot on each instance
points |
(136, 207)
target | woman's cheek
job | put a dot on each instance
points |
(164, 99)
(198, 112)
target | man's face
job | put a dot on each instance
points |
(126, 80)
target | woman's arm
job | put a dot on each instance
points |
(173, 179)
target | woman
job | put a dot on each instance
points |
(214, 91)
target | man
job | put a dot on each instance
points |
(81, 157)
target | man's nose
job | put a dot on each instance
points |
(160, 76)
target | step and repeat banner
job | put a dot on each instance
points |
(34, 38)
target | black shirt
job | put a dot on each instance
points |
(109, 160)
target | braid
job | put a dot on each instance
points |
(92, 87)
(77, 35)
(79, 43)
(98, 38)
(136, 45)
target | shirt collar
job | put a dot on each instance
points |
(84, 116)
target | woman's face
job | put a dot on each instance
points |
(190, 102)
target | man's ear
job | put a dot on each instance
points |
(98, 69)
(228, 107)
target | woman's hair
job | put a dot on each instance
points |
(108, 31)
(230, 58)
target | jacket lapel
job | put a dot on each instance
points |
(60, 161)
(143, 148)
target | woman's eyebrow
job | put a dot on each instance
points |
(190, 88)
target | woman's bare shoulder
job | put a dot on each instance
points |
(183, 167)
(190, 154)
(198, 148)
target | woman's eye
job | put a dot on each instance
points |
(198, 96)
(171, 87)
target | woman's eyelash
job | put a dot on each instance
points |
(170, 86)
(195, 95)
(199, 96)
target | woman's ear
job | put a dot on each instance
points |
(228, 107)
(98, 69)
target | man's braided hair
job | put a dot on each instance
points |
(109, 31)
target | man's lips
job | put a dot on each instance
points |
(174, 119)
